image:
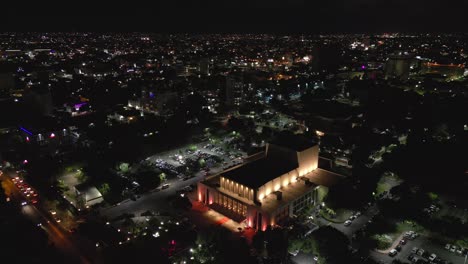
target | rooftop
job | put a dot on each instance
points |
(297, 189)
(258, 172)
(293, 191)
(294, 142)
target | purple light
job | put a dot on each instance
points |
(25, 161)
(78, 106)
(52, 135)
(27, 131)
(363, 67)
(151, 94)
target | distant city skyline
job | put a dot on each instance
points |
(277, 16)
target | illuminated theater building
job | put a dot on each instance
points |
(274, 185)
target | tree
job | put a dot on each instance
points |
(148, 179)
(332, 245)
(124, 167)
(104, 189)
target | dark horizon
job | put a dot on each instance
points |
(258, 16)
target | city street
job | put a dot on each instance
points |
(57, 235)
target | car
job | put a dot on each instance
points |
(23, 203)
(399, 247)
(352, 217)
(34, 201)
(432, 257)
(448, 246)
(420, 252)
(315, 258)
(414, 250)
(402, 242)
(392, 253)
(165, 186)
(357, 214)
(453, 248)
(347, 223)
(460, 251)
(294, 253)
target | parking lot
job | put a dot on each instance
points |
(176, 181)
(429, 247)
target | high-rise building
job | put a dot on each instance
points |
(204, 66)
(398, 66)
(7, 83)
(234, 90)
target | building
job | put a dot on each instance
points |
(398, 66)
(204, 66)
(7, 83)
(234, 91)
(125, 116)
(446, 71)
(271, 187)
(87, 195)
(157, 102)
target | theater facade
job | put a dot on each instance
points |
(269, 187)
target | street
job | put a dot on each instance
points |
(60, 238)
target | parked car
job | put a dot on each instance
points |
(402, 242)
(165, 186)
(420, 252)
(347, 223)
(294, 253)
(392, 253)
(399, 248)
(453, 248)
(414, 250)
(448, 246)
(432, 257)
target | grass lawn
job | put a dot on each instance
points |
(384, 241)
(387, 182)
(404, 226)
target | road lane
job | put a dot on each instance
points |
(57, 235)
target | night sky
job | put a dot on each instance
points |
(275, 16)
